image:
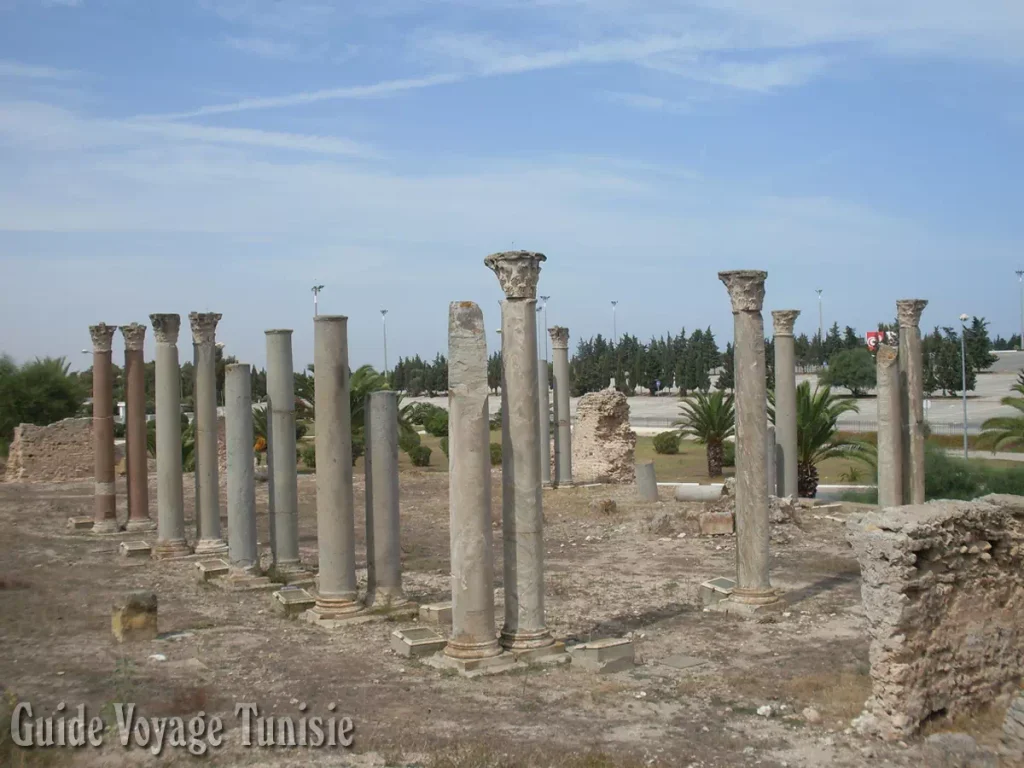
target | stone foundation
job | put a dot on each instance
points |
(54, 453)
(943, 591)
(603, 445)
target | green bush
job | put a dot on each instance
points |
(728, 454)
(444, 444)
(301, 428)
(495, 454)
(949, 477)
(358, 446)
(437, 425)
(308, 455)
(408, 440)
(119, 429)
(495, 420)
(666, 442)
(420, 456)
(420, 413)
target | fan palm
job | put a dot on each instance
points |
(817, 417)
(710, 419)
(1001, 432)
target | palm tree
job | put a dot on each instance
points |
(188, 443)
(1001, 432)
(710, 419)
(817, 417)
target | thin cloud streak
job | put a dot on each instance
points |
(15, 69)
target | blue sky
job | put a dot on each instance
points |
(225, 155)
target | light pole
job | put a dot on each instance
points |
(384, 322)
(316, 294)
(1020, 279)
(544, 331)
(963, 373)
(615, 333)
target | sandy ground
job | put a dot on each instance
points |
(607, 576)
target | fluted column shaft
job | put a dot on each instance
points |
(169, 492)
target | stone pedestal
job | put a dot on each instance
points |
(281, 459)
(136, 455)
(105, 509)
(563, 421)
(336, 595)
(890, 427)
(241, 473)
(383, 547)
(911, 362)
(208, 534)
(469, 487)
(169, 493)
(646, 482)
(544, 414)
(753, 588)
(522, 519)
(785, 402)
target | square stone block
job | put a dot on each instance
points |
(79, 524)
(549, 654)
(716, 523)
(716, 589)
(470, 668)
(436, 613)
(134, 549)
(291, 601)
(207, 570)
(416, 641)
(613, 654)
(134, 618)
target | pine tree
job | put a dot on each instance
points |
(727, 378)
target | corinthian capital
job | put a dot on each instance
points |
(134, 336)
(746, 288)
(783, 319)
(909, 312)
(517, 271)
(204, 326)
(166, 327)
(559, 337)
(102, 336)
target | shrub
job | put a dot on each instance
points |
(437, 424)
(408, 440)
(420, 456)
(666, 442)
(358, 446)
(301, 428)
(495, 420)
(119, 429)
(851, 368)
(729, 454)
(495, 454)
(308, 455)
(444, 444)
(419, 413)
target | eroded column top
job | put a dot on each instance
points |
(559, 337)
(166, 327)
(102, 336)
(886, 356)
(134, 336)
(204, 326)
(278, 332)
(517, 271)
(746, 288)
(783, 320)
(909, 311)
(467, 347)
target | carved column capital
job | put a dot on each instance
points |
(204, 326)
(134, 336)
(102, 336)
(517, 271)
(746, 288)
(909, 312)
(783, 320)
(166, 327)
(559, 337)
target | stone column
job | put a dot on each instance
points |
(563, 432)
(646, 482)
(384, 551)
(170, 515)
(890, 428)
(469, 487)
(911, 363)
(522, 519)
(283, 464)
(105, 504)
(335, 507)
(746, 290)
(241, 473)
(770, 461)
(785, 401)
(544, 414)
(136, 455)
(208, 534)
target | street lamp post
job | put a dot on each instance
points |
(1020, 279)
(544, 331)
(615, 333)
(384, 322)
(316, 295)
(963, 372)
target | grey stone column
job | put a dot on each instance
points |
(469, 487)
(911, 363)
(522, 518)
(563, 421)
(785, 401)
(105, 504)
(746, 290)
(170, 515)
(241, 473)
(646, 481)
(770, 461)
(890, 427)
(335, 508)
(544, 414)
(136, 455)
(283, 464)
(384, 551)
(208, 533)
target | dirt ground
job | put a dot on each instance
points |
(607, 575)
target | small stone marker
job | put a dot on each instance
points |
(613, 654)
(134, 618)
(716, 523)
(291, 601)
(436, 613)
(679, 661)
(207, 570)
(80, 523)
(716, 589)
(132, 549)
(416, 641)
(646, 483)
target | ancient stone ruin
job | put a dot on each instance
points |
(604, 446)
(54, 453)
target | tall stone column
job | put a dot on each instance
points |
(522, 519)
(105, 504)
(890, 427)
(753, 588)
(335, 506)
(135, 428)
(282, 463)
(771, 460)
(469, 487)
(204, 332)
(785, 401)
(563, 433)
(241, 473)
(170, 515)
(544, 415)
(383, 545)
(911, 363)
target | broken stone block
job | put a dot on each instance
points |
(207, 570)
(716, 589)
(291, 601)
(416, 641)
(613, 654)
(716, 523)
(955, 750)
(131, 549)
(134, 618)
(80, 523)
(695, 492)
(603, 507)
(436, 613)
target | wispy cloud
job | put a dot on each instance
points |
(645, 101)
(261, 46)
(63, 3)
(15, 69)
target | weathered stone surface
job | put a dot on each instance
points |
(54, 453)
(943, 591)
(604, 507)
(716, 523)
(604, 656)
(1013, 727)
(517, 271)
(955, 750)
(604, 447)
(134, 618)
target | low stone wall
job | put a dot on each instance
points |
(603, 445)
(54, 453)
(943, 591)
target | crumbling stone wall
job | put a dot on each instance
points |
(603, 445)
(54, 453)
(943, 591)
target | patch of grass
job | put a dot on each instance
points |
(840, 695)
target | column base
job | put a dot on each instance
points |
(470, 668)
(526, 640)
(337, 607)
(750, 604)
(470, 651)
(171, 549)
(211, 547)
(142, 524)
(107, 526)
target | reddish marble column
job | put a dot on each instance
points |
(105, 515)
(135, 428)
